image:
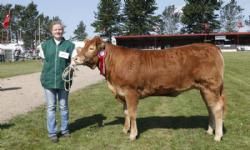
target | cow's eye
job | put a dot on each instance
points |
(91, 48)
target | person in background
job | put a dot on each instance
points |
(2, 55)
(17, 53)
(56, 53)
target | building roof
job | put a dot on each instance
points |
(181, 35)
(170, 40)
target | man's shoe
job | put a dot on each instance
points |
(54, 139)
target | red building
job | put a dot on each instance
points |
(229, 39)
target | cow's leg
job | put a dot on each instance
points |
(125, 110)
(211, 125)
(132, 101)
(215, 104)
(218, 110)
(127, 119)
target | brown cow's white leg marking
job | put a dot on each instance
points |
(127, 120)
(210, 129)
(211, 125)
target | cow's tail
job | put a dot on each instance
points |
(223, 98)
(222, 94)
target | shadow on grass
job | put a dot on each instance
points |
(6, 126)
(176, 122)
(87, 121)
(11, 88)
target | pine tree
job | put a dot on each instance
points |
(107, 18)
(80, 33)
(139, 16)
(197, 15)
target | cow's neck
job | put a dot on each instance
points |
(104, 61)
(101, 64)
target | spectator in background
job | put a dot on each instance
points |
(2, 55)
(17, 53)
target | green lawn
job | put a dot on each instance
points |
(96, 120)
(10, 69)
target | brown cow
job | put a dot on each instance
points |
(133, 74)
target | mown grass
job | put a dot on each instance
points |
(10, 69)
(164, 123)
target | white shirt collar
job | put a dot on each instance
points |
(57, 41)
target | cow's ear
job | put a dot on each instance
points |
(86, 40)
(100, 43)
(78, 50)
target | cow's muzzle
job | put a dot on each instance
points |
(78, 60)
(83, 61)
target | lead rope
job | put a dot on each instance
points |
(67, 76)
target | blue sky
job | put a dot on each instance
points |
(74, 11)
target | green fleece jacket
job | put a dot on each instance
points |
(55, 63)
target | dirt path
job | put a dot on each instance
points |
(22, 94)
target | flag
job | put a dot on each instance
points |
(6, 21)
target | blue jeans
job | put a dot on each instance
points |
(51, 97)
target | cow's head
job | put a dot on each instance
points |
(88, 55)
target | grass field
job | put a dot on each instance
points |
(96, 120)
(10, 69)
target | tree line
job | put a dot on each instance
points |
(129, 17)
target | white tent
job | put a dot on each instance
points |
(9, 50)
(12, 47)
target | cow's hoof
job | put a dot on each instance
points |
(210, 132)
(132, 137)
(217, 138)
(124, 130)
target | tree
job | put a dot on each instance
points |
(247, 21)
(24, 24)
(80, 33)
(170, 20)
(230, 15)
(200, 14)
(17, 13)
(107, 18)
(29, 24)
(139, 16)
(45, 22)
